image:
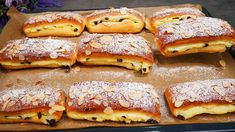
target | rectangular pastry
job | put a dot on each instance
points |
(202, 34)
(28, 53)
(114, 101)
(34, 105)
(166, 15)
(126, 50)
(121, 20)
(54, 24)
(189, 99)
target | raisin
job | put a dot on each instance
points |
(188, 17)
(75, 30)
(27, 118)
(144, 70)
(95, 22)
(106, 18)
(176, 18)
(120, 20)
(38, 30)
(205, 45)
(119, 60)
(181, 19)
(39, 115)
(174, 51)
(94, 118)
(124, 117)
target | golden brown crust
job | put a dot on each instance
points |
(97, 97)
(38, 105)
(59, 24)
(215, 33)
(121, 48)
(175, 14)
(214, 93)
(121, 20)
(27, 53)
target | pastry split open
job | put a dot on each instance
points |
(54, 24)
(37, 105)
(121, 20)
(189, 99)
(202, 34)
(121, 101)
(29, 53)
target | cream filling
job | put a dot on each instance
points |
(36, 63)
(31, 117)
(52, 27)
(113, 19)
(209, 109)
(158, 23)
(189, 46)
(130, 64)
(117, 116)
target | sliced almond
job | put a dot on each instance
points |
(80, 101)
(124, 103)
(96, 45)
(53, 55)
(21, 57)
(219, 90)
(35, 103)
(77, 69)
(228, 99)
(178, 103)
(51, 104)
(135, 95)
(108, 110)
(87, 52)
(123, 10)
(134, 45)
(98, 102)
(51, 111)
(105, 39)
(226, 84)
(173, 99)
(222, 63)
(70, 103)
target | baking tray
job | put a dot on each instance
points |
(165, 71)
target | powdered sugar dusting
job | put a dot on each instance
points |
(183, 10)
(27, 98)
(124, 44)
(50, 17)
(204, 91)
(122, 11)
(26, 49)
(131, 94)
(191, 28)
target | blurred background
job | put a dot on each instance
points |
(223, 9)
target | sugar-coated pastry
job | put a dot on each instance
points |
(28, 53)
(36, 105)
(121, 20)
(166, 15)
(189, 99)
(126, 50)
(115, 101)
(202, 34)
(54, 24)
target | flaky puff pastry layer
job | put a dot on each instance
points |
(121, 102)
(121, 20)
(126, 50)
(34, 105)
(189, 99)
(202, 34)
(29, 53)
(54, 24)
(166, 15)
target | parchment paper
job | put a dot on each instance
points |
(165, 71)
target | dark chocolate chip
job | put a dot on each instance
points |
(94, 118)
(106, 18)
(144, 70)
(174, 51)
(120, 20)
(5, 116)
(87, 59)
(152, 121)
(132, 64)
(176, 18)
(181, 19)
(124, 117)
(38, 30)
(101, 21)
(39, 115)
(95, 22)
(51, 122)
(27, 118)
(180, 117)
(119, 60)
(25, 62)
(205, 45)
(20, 116)
(75, 30)
(188, 17)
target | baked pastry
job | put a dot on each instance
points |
(189, 99)
(28, 53)
(202, 34)
(166, 15)
(121, 20)
(130, 51)
(54, 24)
(37, 105)
(121, 101)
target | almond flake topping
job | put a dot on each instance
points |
(108, 110)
